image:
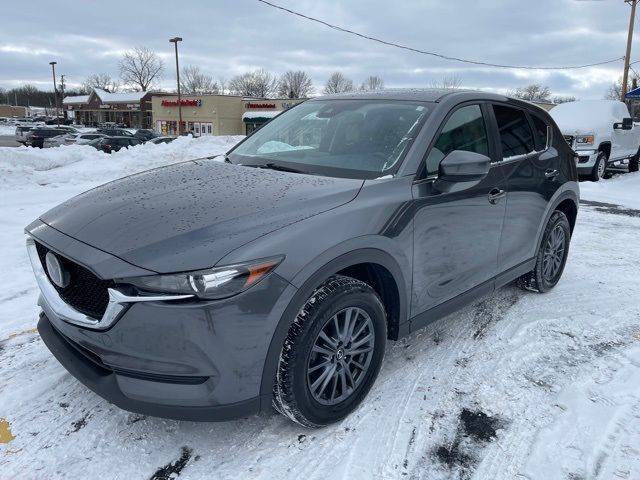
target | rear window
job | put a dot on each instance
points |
(540, 131)
(515, 133)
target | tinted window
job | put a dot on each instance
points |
(540, 131)
(515, 132)
(465, 130)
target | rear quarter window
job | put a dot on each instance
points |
(540, 132)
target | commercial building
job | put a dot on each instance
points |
(13, 111)
(130, 109)
(215, 114)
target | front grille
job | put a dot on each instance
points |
(86, 292)
(569, 139)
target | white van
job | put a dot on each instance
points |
(601, 132)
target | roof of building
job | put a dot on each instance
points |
(75, 100)
(123, 97)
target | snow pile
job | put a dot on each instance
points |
(7, 130)
(620, 190)
(23, 167)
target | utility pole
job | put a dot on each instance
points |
(55, 89)
(175, 41)
(64, 112)
(627, 57)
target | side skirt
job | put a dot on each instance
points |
(450, 306)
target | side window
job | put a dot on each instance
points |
(515, 133)
(465, 130)
(540, 131)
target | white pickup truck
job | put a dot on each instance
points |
(601, 132)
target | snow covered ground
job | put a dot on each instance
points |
(518, 385)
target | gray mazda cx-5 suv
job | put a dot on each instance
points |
(215, 288)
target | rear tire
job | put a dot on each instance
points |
(551, 257)
(633, 162)
(332, 354)
(600, 168)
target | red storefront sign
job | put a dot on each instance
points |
(261, 105)
(184, 103)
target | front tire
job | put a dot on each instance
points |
(332, 354)
(551, 257)
(600, 168)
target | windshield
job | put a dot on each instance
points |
(341, 138)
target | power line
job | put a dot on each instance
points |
(433, 54)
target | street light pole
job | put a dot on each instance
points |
(175, 41)
(55, 89)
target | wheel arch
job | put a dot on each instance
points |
(606, 148)
(567, 202)
(373, 266)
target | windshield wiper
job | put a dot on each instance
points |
(281, 168)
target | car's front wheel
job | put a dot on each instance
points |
(552, 255)
(600, 168)
(332, 354)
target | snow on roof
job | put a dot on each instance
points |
(124, 97)
(75, 100)
(584, 116)
(261, 114)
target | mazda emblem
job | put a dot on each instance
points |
(58, 275)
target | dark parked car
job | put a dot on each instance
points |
(158, 140)
(145, 134)
(114, 144)
(35, 137)
(210, 290)
(115, 132)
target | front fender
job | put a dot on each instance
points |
(314, 274)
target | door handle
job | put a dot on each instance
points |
(551, 173)
(495, 195)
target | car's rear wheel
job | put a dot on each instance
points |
(599, 168)
(633, 162)
(332, 354)
(552, 255)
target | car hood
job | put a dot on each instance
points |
(188, 216)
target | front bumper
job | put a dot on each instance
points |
(138, 394)
(186, 359)
(586, 161)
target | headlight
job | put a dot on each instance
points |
(213, 283)
(584, 140)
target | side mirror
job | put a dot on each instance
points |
(626, 124)
(461, 169)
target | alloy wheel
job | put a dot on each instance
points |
(602, 168)
(554, 254)
(341, 356)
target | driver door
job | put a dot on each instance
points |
(457, 233)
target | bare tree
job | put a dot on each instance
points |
(532, 93)
(558, 99)
(102, 81)
(614, 92)
(372, 82)
(140, 68)
(449, 81)
(338, 83)
(258, 83)
(295, 84)
(222, 83)
(193, 81)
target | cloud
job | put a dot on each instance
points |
(228, 38)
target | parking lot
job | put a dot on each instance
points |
(518, 385)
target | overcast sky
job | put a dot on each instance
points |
(229, 37)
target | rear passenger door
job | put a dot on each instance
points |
(531, 166)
